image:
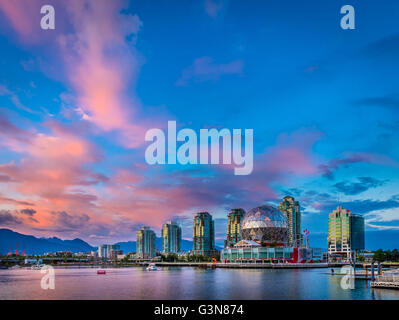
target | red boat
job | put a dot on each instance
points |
(101, 272)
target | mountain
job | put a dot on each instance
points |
(130, 246)
(33, 245)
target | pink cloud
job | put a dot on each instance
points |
(102, 64)
(97, 55)
(23, 16)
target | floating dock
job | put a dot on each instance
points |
(386, 281)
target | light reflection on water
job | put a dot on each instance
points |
(185, 283)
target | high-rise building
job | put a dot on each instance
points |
(234, 219)
(203, 234)
(345, 233)
(292, 211)
(108, 251)
(145, 243)
(171, 237)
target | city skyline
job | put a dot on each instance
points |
(74, 109)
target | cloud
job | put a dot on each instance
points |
(383, 219)
(93, 45)
(14, 99)
(64, 221)
(365, 206)
(4, 178)
(388, 46)
(23, 16)
(386, 101)
(102, 64)
(8, 219)
(214, 7)
(205, 68)
(15, 201)
(353, 188)
(28, 212)
(327, 170)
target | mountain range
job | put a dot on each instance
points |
(9, 240)
(33, 245)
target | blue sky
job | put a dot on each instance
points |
(323, 103)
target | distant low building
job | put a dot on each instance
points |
(108, 251)
(33, 261)
(121, 256)
(64, 253)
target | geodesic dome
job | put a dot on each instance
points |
(266, 224)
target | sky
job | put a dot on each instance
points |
(76, 102)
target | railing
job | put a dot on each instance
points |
(387, 278)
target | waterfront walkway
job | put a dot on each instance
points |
(243, 265)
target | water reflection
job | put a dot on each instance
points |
(185, 283)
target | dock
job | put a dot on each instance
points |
(386, 281)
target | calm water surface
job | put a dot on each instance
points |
(184, 283)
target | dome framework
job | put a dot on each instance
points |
(265, 224)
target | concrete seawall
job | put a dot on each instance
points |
(244, 265)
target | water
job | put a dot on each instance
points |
(185, 283)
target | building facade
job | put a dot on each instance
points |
(108, 251)
(292, 211)
(345, 233)
(203, 234)
(250, 251)
(145, 243)
(171, 237)
(234, 220)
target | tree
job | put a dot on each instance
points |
(395, 255)
(379, 255)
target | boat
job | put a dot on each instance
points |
(37, 267)
(151, 267)
(15, 267)
(101, 271)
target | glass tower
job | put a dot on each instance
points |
(203, 234)
(145, 243)
(171, 237)
(345, 232)
(233, 227)
(292, 211)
